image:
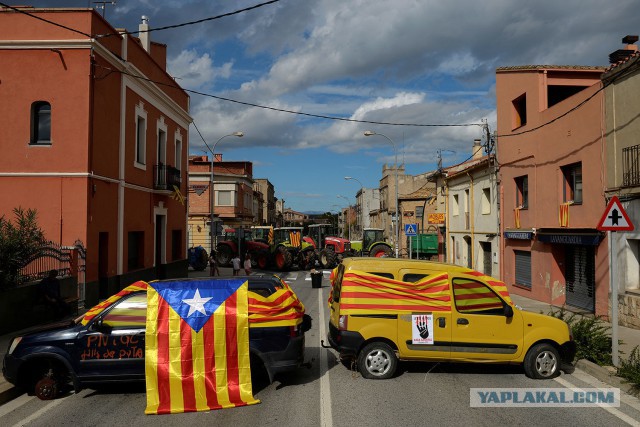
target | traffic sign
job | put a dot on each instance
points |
(615, 218)
(410, 229)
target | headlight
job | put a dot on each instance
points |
(14, 344)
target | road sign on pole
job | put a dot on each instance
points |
(410, 229)
(615, 218)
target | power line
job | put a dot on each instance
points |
(15, 9)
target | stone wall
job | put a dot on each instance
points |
(629, 310)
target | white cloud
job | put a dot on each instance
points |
(193, 71)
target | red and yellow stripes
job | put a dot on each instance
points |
(94, 311)
(364, 293)
(499, 287)
(191, 371)
(563, 216)
(295, 238)
(283, 308)
(516, 217)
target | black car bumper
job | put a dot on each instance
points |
(289, 359)
(568, 351)
(10, 367)
(347, 343)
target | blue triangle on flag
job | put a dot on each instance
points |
(196, 300)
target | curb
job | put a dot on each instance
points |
(606, 375)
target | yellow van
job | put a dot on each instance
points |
(385, 309)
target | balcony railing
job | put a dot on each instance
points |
(165, 177)
(631, 166)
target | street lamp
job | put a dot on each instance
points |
(371, 133)
(211, 192)
(361, 203)
(349, 209)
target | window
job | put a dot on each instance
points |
(141, 136)
(128, 313)
(520, 111)
(419, 211)
(473, 297)
(456, 205)
(40, 123)
(178, 157)
(523, 268)
(572, 183)
(224, 198)
(414, 277)
(466, 201)
(522, 192)
(135, 250)
(486, 201)
(162, 147)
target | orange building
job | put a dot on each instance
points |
(550, 153)
(93, 143)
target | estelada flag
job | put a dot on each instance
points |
(197, 346)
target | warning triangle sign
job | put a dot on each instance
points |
(615, 218)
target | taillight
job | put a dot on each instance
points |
(293, 331)
(342, 323)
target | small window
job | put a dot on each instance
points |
(466, 201)
(40, 123)
(224, 198)
(572, 183)
(520, 111)
(141, 140)
(135, 250)
(456, 205)
(522, 192)
(472, 297)
(162, 147)
(387, 275)
(486, 201)
(178, 157)
(128, 313)
(414, 277)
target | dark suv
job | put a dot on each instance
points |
(110, 347)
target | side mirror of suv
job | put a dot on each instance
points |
(306, 323)
(508, 311)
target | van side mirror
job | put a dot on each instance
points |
(508, 311)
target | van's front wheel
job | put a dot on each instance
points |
(542, 361)
(377, 361)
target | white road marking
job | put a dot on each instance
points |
(39, 413)
(326, 417)
(624, 397)
(15, 404)
(613, 411)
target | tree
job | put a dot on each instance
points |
(20, 242)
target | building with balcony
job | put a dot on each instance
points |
(95, 138)
(622, 85)
(550, 150)
(268, 216)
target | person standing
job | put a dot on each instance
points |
(247, 264)
(213, 266)
(236, 265)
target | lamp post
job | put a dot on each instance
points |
(349, 209)
(361, 204)
(371, 133)
(211, 192)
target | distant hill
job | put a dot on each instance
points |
(314, 212)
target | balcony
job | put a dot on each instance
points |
(165, 177)
(631, 166)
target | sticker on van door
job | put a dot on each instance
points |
(422, 328)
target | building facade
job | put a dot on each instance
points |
(265, 187)
(95, 138)
(622, 84)
(550, 145)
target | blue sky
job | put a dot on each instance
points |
(418, 62)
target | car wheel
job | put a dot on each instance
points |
(542, 362)
(380, 251)
(377, 361)
(283, 259)
(46, 389)
(223, 255)
(263, 260)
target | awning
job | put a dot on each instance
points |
(576, 236)
(519, 234)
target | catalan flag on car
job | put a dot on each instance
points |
(197, 346)
(96, 310)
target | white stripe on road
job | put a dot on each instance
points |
(39, 412)
(15, 404)
(624, 397)
(326, 417)
(613, 411)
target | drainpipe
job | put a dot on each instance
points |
(471, 223)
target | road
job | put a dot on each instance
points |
(328, 394)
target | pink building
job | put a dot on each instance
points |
(93, 143)
(550, 153)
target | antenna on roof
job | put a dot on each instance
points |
(102, 5)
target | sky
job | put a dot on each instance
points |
(418, 65)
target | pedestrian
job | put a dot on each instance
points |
(236, 265)
(49, 289)
(247, 264)
(213, 266)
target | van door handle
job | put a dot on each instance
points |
(442, 322)
(462, 321)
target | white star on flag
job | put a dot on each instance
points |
(196, 303)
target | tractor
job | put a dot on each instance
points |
(232, 241)
(329, 250)
(260, 233)
(372, 244)
(289, 248)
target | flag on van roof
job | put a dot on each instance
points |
(197, 346)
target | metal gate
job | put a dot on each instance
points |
(580, 274)
(486, 257)
(523, 268)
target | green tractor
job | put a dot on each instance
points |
(289, 248)
(372, 244)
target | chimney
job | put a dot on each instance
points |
(477, 149)
(143, 34)
(622, 54)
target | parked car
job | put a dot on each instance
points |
(384, 310)
(110, 346)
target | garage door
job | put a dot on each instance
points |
(580, 274)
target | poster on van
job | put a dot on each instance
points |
(422, 328)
